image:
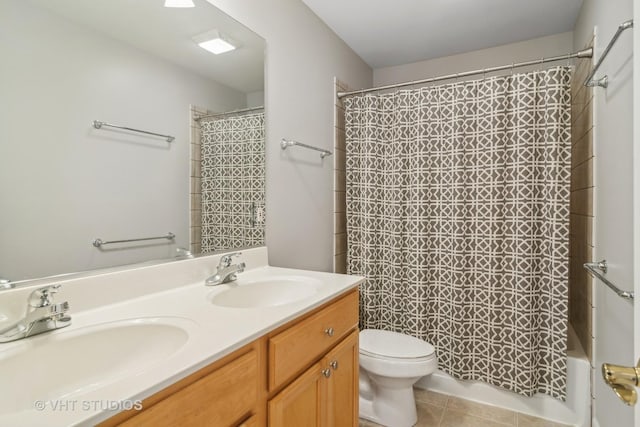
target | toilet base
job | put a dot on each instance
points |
(390, 408)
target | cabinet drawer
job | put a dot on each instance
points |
(291, 351)
(221, 398)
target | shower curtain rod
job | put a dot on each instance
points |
(242, 110)
(586, 53)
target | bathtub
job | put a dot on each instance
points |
(576, 411)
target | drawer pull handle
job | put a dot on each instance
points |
(329, 332)
(326, 372)
(334, 365)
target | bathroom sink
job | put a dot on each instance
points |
(60, 365)
(268, 292)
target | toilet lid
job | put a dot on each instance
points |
(393, 344)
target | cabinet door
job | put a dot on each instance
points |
(302, 403)
(343, 393)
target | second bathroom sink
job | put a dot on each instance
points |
(268, 292)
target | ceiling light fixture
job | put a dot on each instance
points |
(179, 3)
(215, 42)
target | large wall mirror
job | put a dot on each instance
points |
(66, 181)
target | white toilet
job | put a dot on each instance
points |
(390, 364)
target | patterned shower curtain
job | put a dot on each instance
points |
(233, 182)
(458, 215)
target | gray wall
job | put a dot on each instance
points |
(558, 44)
(303, 56)
(64, 183)
(612, 198)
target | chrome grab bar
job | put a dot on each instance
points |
(604, 81)
(99, 242)
(98, 125)
(286, 143)
(598, 269)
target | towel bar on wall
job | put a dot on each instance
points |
(598, 269)
(98, 125)
(604, 81)
(286, 143)
(98, 243)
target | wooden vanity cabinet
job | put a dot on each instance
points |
(343, 386)
(225, 393)
(221, 398)
(301, 402)
(304, 373)
(251, 422)
(326, 394)
(302, 342)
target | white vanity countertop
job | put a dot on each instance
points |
(212, 332)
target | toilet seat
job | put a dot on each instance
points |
(389, 345)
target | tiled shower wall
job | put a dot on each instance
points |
(195, 192)
(581, 206)
(339, 186)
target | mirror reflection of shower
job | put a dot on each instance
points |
(228, 179)
(109, 183)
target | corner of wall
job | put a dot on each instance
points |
(195, 181)
(581, 206)
(339, 184)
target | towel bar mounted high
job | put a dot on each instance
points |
(604, 81)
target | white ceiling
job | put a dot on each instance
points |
(394, 32)
(167, 33)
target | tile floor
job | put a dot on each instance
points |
(441, 410)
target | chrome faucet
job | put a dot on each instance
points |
(183, 253)
(42, 316)
(6, 284)
(226, 272)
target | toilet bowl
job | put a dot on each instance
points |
(390, 364)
